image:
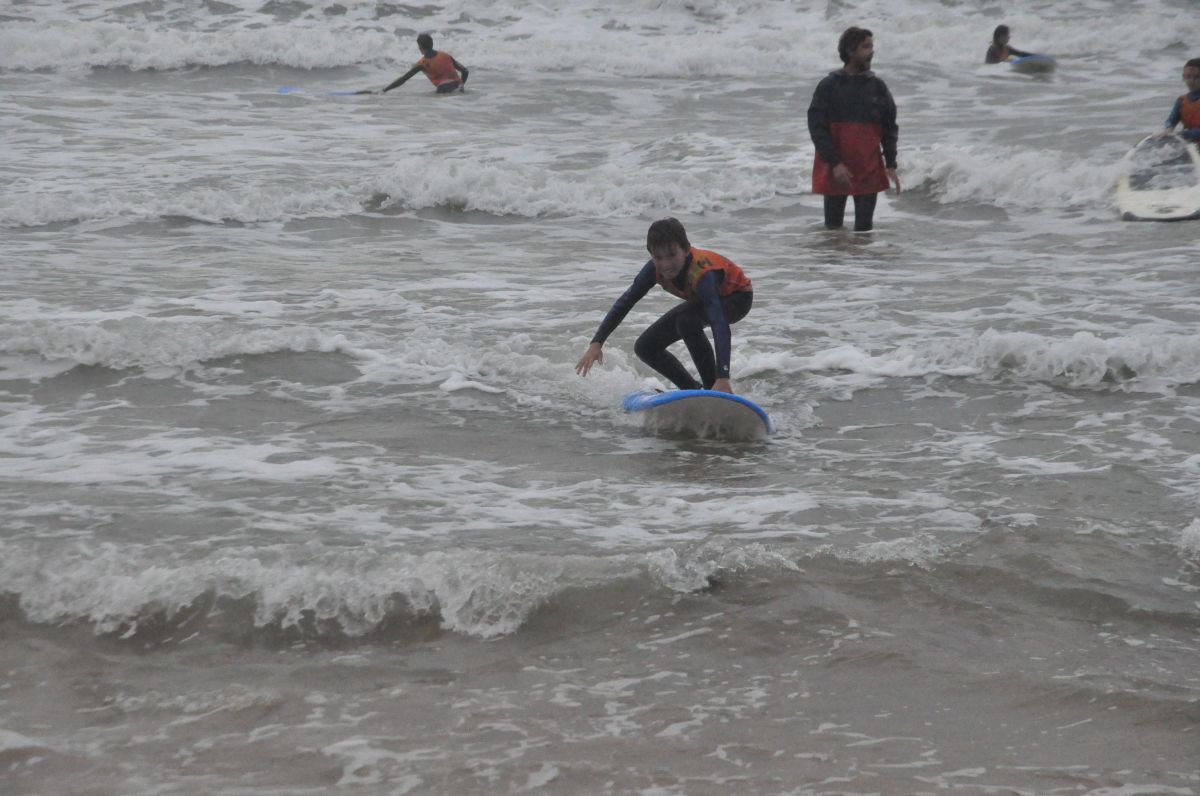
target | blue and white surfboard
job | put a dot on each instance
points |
(295, 90)
(705, 413)
(1033, 64)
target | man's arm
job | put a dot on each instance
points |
(818, 123)
(462, 70)
(1019, 53)
(402, 79)
(890, 136)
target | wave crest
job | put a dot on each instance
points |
(138, 342)
(315, 591)
(1010, 177)
(1082, 360)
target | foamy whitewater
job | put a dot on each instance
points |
(302, 495)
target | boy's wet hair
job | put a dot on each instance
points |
(851, 38)
(663, 233)
(425, 41)
(1001, 30)
(1193, 62)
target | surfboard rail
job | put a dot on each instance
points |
(703, 412)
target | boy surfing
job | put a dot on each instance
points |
(715, 292)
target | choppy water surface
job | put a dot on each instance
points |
(302, 493)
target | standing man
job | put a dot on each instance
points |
(445, 73)
(852, 121)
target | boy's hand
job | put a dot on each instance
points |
(589, 358)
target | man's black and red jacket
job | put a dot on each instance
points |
(852, 120)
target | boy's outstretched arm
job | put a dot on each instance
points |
(620, 308)
(400, 81)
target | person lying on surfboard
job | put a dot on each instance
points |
(715, 293)
(445, 73)
(1187, 107)
(1000, 51)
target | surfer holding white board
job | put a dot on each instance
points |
(715, 292)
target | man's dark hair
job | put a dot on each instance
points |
(851, 38)
(1001, 30)
(1194, 62)
(663, 233)
(425, 41)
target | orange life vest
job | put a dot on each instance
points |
(439, 69)
(1189, 112)
(733, 279)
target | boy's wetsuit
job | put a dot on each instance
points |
(719, 295)
(1186, 110)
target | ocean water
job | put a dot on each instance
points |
(301, 492)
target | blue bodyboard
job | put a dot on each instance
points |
(294, 90)
(1033, 64)
(705, 413)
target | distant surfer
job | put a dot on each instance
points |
(852, 121)
(1000, 51)
(1186, 110)
(715, 293)
(445, 73)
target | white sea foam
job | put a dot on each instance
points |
(75, 45)
(625, 184)
(477, 593)
(719, 38)
(38, 348)
(14, 741)
(1189, 540)
(47, 203)
(919, 550)
(1082, 360)
(1009, 177)
(611, 177)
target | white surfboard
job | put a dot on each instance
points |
(703, 413)
(1160, 180)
